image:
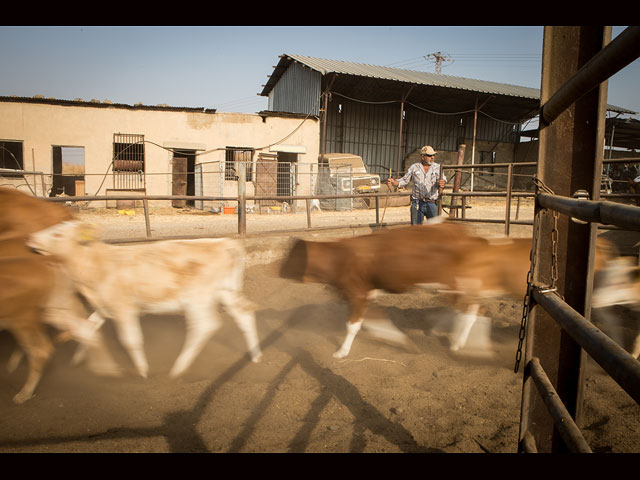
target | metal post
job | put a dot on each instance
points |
(241, 167)
(35, 177)
(569, 159)
(456, 182)
(404, 98)
(473, 144)
(325, 113)
(507, 215)
(145, 204)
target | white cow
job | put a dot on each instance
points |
(174, 276)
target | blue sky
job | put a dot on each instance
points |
(224, 67)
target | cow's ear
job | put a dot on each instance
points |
(88, 233)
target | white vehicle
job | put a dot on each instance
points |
(344, 174)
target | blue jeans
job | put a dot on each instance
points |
(420, 210)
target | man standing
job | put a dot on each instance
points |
(426, 185)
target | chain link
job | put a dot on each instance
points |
(527, 302)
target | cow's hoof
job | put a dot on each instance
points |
(22, 397)
(256, 358)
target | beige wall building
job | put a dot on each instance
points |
(138, 148)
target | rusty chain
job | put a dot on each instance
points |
(526, 308)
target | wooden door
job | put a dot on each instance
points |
(179, 180)
(266, 178)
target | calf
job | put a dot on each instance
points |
(122, 282)
(34, 292)
(397, 260)
(23, 214)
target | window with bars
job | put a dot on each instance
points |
(128, 161)
(237, 154)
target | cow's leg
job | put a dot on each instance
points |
(91, 343)
(85, 333)
(38, 348)
(202, 322)
(130, 334)
(241, 311)
(635, 349)
(468, 319)
(357, 308)
(14, 359)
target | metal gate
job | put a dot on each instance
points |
(577, 61)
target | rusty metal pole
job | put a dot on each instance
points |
(399, 160)
(473, 143)
(325, 113)
(456, 182)
(241, 166)
(507, 214)
(323, 140)
(569, 159)
(145, 204)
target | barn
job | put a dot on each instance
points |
(386, 115)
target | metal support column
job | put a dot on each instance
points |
(569, 159)
(404, 98)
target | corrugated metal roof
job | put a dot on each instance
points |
(325, 66)
(105, 104)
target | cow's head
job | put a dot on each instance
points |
(295, 264)
(64, 238)
(619, 284)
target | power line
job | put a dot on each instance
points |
(438, 57)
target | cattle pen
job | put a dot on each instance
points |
(556, 338)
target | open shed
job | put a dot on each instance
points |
(386, 114)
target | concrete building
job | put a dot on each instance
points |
(157, 150)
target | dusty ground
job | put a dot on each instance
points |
(384, 397)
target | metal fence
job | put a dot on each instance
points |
(307, 188)
(554, 357)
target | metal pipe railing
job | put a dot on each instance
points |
(619, 53)
(562, 419)
(615, 360)
(606, 213)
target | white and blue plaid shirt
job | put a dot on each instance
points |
(425, 184)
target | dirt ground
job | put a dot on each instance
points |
(385, 396)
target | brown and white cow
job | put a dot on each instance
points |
(35, 292)
(173, 276)
(438, 254)
(394, 261)
(619, 285)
